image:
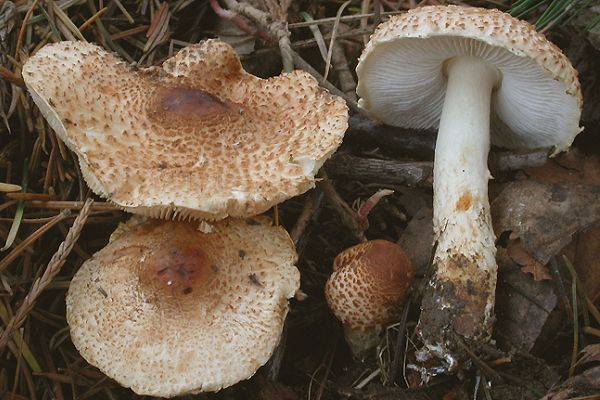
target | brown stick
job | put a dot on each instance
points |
(22, 29)
(290, 58)
(11, 77)
(311, 205)
(30, 196)
(399, 141)
(421, 144)
(417, 173)
(276, 29)
(348, 216)
(344, 18)
(70, 205)
(381, 171)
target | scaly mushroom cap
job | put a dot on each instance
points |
(369, 283)
(166, 309)
(196, 137)
(402, 83)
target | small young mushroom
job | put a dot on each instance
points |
(197, 137)
(166, 309)
(463, 69)
(367, 289)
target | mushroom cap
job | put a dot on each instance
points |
(166, 309)
(196, 137)
(401, 74)
(369, 283)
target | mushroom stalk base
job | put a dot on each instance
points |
(459, 300)
(361, 341)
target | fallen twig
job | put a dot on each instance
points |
(344, 18)
(71, 205)
(412, 173)
(311, 205)
(348, 216)
(277, 29)
(479, 362)
(421, 144)
(416, 173)
(11, 77)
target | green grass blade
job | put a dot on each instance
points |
(16, 223)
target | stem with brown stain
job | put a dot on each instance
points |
(459, 300)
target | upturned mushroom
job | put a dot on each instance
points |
(166, 309)
(367, 290)
(465, 70)
(197, 137)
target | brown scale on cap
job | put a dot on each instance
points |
(166, 309)
(368, 288)
(197, 137)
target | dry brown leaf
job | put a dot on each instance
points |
(545, 216)
(588, 261)
(417, 239)
(577, 167)
(522, 307)
(539, 271)
(230, 33)
(590, 354)
(574, 167)
(578, 387)
(584, 252)
(528, 264)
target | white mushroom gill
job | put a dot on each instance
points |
(401, 84)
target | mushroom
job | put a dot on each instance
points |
(166, 309)
(197, 137)
(367, 290)
(462, 69)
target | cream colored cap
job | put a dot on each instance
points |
(369, 284)
(198, 137)
(166, 309)
(402, 83)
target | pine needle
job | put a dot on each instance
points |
(552, 13)
(53, 268)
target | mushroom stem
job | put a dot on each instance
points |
(361, 341)
(459, 299)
